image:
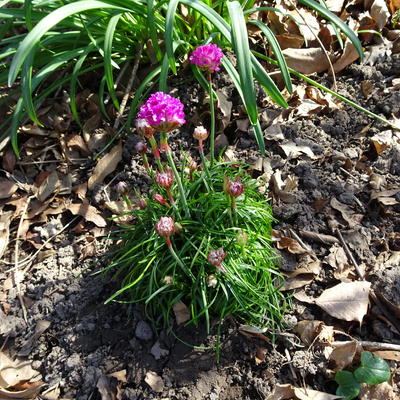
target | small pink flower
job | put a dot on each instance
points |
(165, 227)
(200, 133)
(235, 188)
(215, 257)
(212, 281)
(165, 179)
(143, 128)
(142, 204)
(122, 188)
(162, 112)
(141, 148)
(207, 57)
(168, 280)
(160, 199)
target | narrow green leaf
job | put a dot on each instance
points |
(108, 69)
(153, 29)
(28, 14)
(241, 47)
(336, 21)
(277, 51)
(169, 33)
(46, 24)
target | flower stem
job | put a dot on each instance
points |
(127, 201)
(177, 259)
(233, 208)
(179, 182)
(204, 162)
(156, 152)
(212, 127)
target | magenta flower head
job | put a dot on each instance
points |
(234, 188)
(162, 112)
(215, 257)
(207, 57)
(143, 128)
(165, 179)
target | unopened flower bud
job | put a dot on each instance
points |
(160, 199)
(165, 227)
(235, 188)
(165, 178)
(241, 239)
(143, 128)
(200, 133)
(168, 280)
(193, 166)
(142, 204)
(141, 147)
(215, 257)
(122, 188)
(212, 281)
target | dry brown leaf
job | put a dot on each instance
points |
(292, 150)
(106, 165)
(388, 354)
(382, 140)
(88, 212)
(385, 197)
(307, 61)
(119, 375)
(9, 160)
(289, 392)
(342, 356)
(334, 5)
(308, 330)
(49, 186)
(27, 390)
(278, 188)
(274, 132)
(80, 190)
(107, 388)
(286, 243)
(337, 259)
(347, 300)
(349, 55)
(347, 213)
(154, 381)
(394, 5)
(383, 391)
(13, 373)
(261, 353)
(5, 221)
(380, 13)
(7, 188)
(41, 327)
(182, 313)
(76, 142)
(253, 332)
(290, 41)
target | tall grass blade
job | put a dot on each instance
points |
(169, 33)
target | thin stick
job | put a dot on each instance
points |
(16, 276)
(290, 364)
(128, 87)
(367, 344)
(297, 237)
(348, 252)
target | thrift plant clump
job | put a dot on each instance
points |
(201, 240)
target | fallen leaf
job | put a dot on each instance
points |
(319, 237)
(9, 160)
(107, 388)
(380, 13)
(7, 188)
(337, 259)
(385, 197)
(41, 327)
(5, 221)
(334, 5)
(106, 165)
(12, 373)
(119, 375)
(88, 212)
(76, 142)
(346, 212)
(342, 356)
(49, 186)
(307, 61)
(382, 140)
(292, 150)
(27, 390)
(154, 381)
(253, 332)
(347, 300)
(289, 392)
(308, 268)
(260, 355)
(182, 313)
(274, 132)
(286, 243)
(388, 354)
(308, 330)
(225, 109)
(349, 55)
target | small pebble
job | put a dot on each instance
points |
(143, 331)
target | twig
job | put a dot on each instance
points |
(128, 87)
(16, 275)
(28, 260)
(297, 237)
(319, 237)
(350, 255)
(290, 364)
(374, 345)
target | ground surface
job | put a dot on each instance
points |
(326, 170)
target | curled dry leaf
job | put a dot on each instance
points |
(307, 61)
(385, 197)
(292, 150)
(154, 381)
(382, 140)
(7, 188)
(106, 165)
(388, 354)
(347, 213)
(88, 212)
(347, 300)
(286, 243)
(182, 313)
(342, 356)
(349, 55)
(289, 392)
(337, 259)
(308, 330)
(308, 269)
(22, 391)
(253, 332)
(49, 186)
(380, 13)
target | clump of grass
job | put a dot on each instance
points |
(245, 285)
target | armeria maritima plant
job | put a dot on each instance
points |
(204, 238)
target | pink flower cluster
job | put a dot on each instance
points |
(215, 257)
(163, 112)
(207, 57)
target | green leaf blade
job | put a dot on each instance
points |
(348, 386)
(373, 371)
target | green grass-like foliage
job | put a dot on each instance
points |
(248, 290)
(41, 38)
